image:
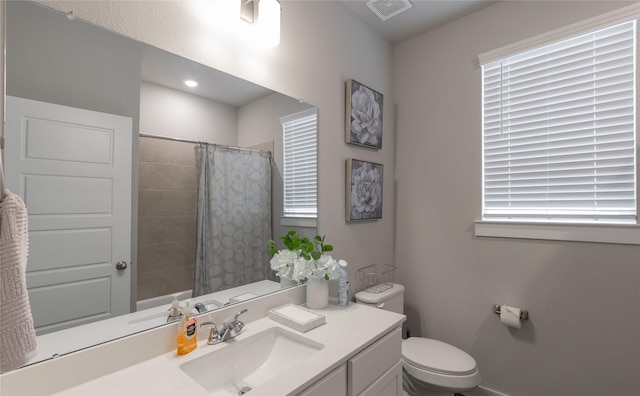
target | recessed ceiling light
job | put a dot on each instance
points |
(190, 83)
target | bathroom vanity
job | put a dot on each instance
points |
(377, 370)
(356, 352)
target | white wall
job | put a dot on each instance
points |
(172, 113)
(584, 299)
(322, 45)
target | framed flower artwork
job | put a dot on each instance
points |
(363, 116)
(363, 190)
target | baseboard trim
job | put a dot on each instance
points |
(484, 391)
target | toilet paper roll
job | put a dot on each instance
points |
(510, 316)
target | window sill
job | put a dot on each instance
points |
(310, 222)
(599, 233)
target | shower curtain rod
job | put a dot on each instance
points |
(224, 146)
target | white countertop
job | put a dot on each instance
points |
(347, 331)
(76, 338)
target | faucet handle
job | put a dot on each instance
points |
(238, 314)
(237, 327)
(214, 334)
(228, 322)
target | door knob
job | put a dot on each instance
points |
(121, 265)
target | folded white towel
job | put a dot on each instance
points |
(17, 334)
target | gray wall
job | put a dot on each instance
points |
(169, 112)
(584, 298)
(70, 63)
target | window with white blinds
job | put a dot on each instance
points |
(559, 130)
(300, 164)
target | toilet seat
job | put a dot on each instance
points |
(439, 364)
(437, 356)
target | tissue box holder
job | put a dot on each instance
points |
(296, 317)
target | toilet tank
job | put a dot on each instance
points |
(391, 299)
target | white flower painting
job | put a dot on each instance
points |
(363, 116)
(364, 190)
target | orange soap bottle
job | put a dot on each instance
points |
(187, 332)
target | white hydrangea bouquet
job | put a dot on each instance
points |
(303, 258)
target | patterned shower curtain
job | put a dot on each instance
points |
(233, 218)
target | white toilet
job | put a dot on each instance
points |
(430, 367)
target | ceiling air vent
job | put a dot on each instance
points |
(386, 9)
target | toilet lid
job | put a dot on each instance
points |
(437, 356)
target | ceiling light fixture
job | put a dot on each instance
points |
(264, 16)
(190, 83)
(248, 10)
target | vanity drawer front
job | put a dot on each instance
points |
(390, 384)
(334, 384)
(366, 367)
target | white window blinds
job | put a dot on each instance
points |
(559, 130)
(300, 164)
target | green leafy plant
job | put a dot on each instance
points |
(301, 256)
(310, 250)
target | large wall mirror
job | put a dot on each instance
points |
(55, 64)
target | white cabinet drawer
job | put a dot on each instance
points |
(367, 366)
(333, 384)
(389, 384)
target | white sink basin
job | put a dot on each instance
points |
(241, 365)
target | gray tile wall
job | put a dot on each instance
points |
(166, 217)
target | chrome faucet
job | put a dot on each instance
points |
(200, 307)
(229, 329)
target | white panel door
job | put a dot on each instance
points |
(72, 168)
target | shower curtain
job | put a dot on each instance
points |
(233, 218)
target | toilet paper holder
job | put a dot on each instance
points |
(524, 314)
